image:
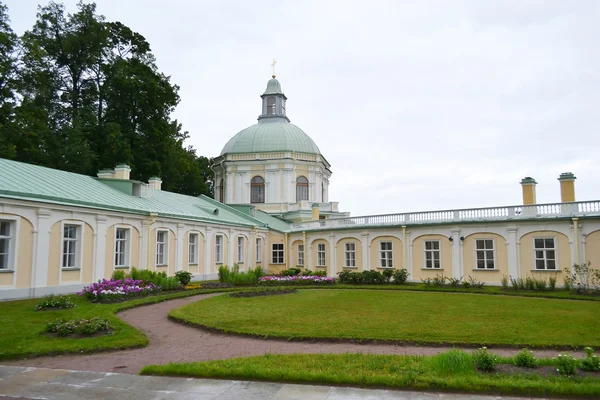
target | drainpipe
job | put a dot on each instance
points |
(576, 235)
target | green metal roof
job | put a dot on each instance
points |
(272, 134)
(273, 87)
(32, 182)
(272, 222)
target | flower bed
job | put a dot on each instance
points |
(295, 280)
(82, 327)
(53, 302)
(264, 291)
(117, 289)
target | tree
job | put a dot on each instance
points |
(8, 66)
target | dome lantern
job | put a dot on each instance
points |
(273, 101)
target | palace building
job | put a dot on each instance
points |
(60, 231)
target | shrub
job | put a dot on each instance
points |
(118, 274)
(452, 362)
(387, 275)
(291, 272)
(552, 282)
(295, 280)
(427, 281)
(566, 364)
(517, 283)
(224, 274)
(78, 326)
(591, 362)
(568, 279)
(439, 280)
(400, 276)
(53, 301)
(539, 284)
(350, 277)
(529, 283)
(504, 282)
(184, 277)
(475, 283)
(484, 360)
(455, 282)
(525, 358)
(373, 277)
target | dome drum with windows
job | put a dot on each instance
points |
(275, 166)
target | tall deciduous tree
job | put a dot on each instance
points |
(8, 66)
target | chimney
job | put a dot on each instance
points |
(155, 182)
(528, 184)
(122, 171)
(567, 187)
(315, 212)
(106, 174)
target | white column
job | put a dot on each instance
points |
(456, 267)
(513, 253)
(229, 188)
(308, 254)
(208, 234)
(232, 242)
(332, 253)
(40, 262)
(144, 238)
(366, 246)
(290, 256)
(100, 245)
(179, 241)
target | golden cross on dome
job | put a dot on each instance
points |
(273, 65)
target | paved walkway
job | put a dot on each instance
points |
(173, 342)
(41, 383)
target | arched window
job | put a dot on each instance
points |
(301, 188)
(222, 191)
(322, 193)
(271, 106)
(257, 189)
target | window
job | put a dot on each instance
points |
(278, 256)
(300, 254)
(301, 188)
(219, 249)
(321, 255)
(122, 247)
(257, 189)
(545, 253)
(258, 250)
(161, 247)
(222, 191)
(70, 248)
(432, 254)
(271, 106)
(484, 249)
(386, 256)
(240, 249)
(350, 255)
(5, 244)
(193, 248)
(322, 193)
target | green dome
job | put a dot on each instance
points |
(269, 135)
(273, 87)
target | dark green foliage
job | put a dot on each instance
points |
(119, 274)
(308, 272)
(591, 362)
(566, 364)
(484, 360)
(80, 93)
(52, 301)
(291, 272)
(184, 277)
(263, 291)
(387, 275)
(78, 326)
(158, 278)
(454, 282)
(373, 277)
(400, 276)
(234, 277)
(526, 359)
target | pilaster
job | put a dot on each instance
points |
(513, 253)
(456, 258)
(100, 248)
(208, 234)
(179, 241)
(40, 264)
(332, 256)
(366, 253)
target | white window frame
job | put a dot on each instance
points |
(545, 250)
(301, 254)
(78, 245)
(165, 255)
(485, 258)
(259, 250)
(13, 243)
(350, 255)
(127, 256)
(278, 255)
(195, 246)
(219, 248)
(240, 249)
(386, 256)
(432, 251)
(321, 255)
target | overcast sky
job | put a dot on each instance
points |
(417, 105)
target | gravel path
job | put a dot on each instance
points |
(173, 342)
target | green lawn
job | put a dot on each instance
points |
(452, 371)
(420, 317)
(22, 328)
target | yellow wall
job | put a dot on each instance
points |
(55, 273)
(214, 266)
(397, 251)
(134, 249)
(592, 249)
(418, 253)
(274, 237)
(470, 258)
(313, 255)
(24, 256)
(527, 256)
(341, 254)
